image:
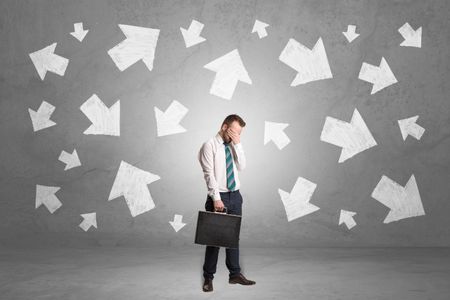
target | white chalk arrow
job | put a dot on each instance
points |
(413, 38)
(46, 60)
(177, 222)
(274, 132)
(41, 118)
(296, 203)
(229, 70)
(381, 76)
(350, 34)
(104, 120)
(353, 137)
(347, 218)
(78, 32)
(192, 36)
(408, 126)
(168, 122)
(131, 182)
(140, 44)
(404, 202)
(89, 220)
(260, 28)
(46, 195)
(71, 160)
(311, 65)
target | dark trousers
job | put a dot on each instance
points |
(233, 202)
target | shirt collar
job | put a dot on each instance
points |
(219, 138)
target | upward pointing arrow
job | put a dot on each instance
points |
(350, 34)
(275, 132)
(140, 44)
(168, 122)
(89, 220)
(104, 120)
(381, 76)
(131, 182)
(78, 32)
(229, 70)
(192, 35)
(71, 160)
(311, 65)
(46, 195)
(353, 137)
(260, 28)
(408, 126)
(347, 218)
(46, 60)
(41, 118)
(412, 38)
(404, 202)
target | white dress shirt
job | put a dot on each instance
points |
(212, 159)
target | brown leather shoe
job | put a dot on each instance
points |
(241, 280)
(207, 285)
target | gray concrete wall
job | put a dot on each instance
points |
(29, 158)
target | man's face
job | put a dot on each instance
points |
(233, 126)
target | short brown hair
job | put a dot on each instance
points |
(231, 118)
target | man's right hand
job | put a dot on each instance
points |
(218, 205)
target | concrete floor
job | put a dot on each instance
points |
(175, 273)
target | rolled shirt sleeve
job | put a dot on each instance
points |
(239, 156)
(206, 159)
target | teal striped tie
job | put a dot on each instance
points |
(231, 184)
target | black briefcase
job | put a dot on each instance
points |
(218, 229)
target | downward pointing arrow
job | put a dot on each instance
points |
(260, 28)
(131, 182)
(297, 203)
(311, 65)
(381, 76)
(350, 34)
(229, 70)
(177, 223)
(41, 118)
(409, 127)
(347, 218)
(413, 38)
(140, 44)
(46, 195)
(274, 132)
(46, 60)
(404, 202)
(78, 32)
(90, 219)
(104, 120)
(353, 137)
(71, 160)
(168, 122)
(192, 35)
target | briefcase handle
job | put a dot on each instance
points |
(221, 212)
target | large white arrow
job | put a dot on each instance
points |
(71, 160)
(229, 70)
(353, 137)
(104, 120)
(41, 118)
(89, 220)
(168, 122)
(46, 60)
(413, 38)
(381, 76)
(177, 222)
(46, 195)
(78, 32)
(350, 34)
(297, 203)
(347, 218)
(260, 28)
(192, 36)
(274, 132)
(131, 182)
(404, 202)
(408, 126)
(140, 44)
(311, 65)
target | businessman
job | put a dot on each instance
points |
(221, 157)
